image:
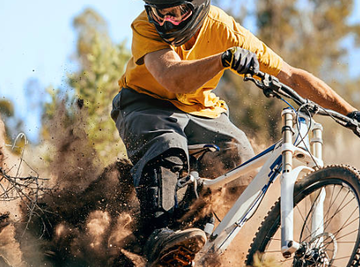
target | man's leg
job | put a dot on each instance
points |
(157, 146)
(157, 196)
(235, 147)
(157, 189)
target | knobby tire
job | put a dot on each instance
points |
(338, 244)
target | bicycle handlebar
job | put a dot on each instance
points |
(272, 87)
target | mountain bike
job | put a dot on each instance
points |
(316, 220)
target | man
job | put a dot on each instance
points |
(180, 50)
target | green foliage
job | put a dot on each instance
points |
(12, 123)
(6, 108)
(6, 111)
(94, 85)
(308, 34)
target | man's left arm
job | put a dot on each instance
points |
(311, 87)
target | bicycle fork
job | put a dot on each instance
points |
(288, 179)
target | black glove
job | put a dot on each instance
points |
(354, 115)
(241, 60)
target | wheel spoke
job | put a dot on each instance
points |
(327, 223)
(347, 234)
(335, 238)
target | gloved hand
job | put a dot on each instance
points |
(241, 60)
(354, 115)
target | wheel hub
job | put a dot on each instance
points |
(319, 252)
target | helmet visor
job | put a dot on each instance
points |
(174, 14)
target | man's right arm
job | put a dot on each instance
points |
(182, 76)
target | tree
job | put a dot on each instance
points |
(96, 84)
(12, 123)
(308, 34)
(6, 111)
(101, 63)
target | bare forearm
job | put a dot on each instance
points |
(182, 76)
(188, 75)
(309, 86)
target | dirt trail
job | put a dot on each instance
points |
(84, 222)
(90, 216)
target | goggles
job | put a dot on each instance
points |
(174, 14)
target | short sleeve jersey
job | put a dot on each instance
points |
(218, 33)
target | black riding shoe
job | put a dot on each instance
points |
(176, 249)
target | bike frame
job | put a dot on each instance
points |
(292, 158)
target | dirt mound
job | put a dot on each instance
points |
(94, 227)
(87, 218)
(90, 216)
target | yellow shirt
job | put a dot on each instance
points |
(218, 33)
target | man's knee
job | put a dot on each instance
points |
(157, 188)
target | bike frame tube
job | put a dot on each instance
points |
(250, 199)
(229, 226)
(243, 169)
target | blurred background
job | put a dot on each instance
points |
(53, 53)
(59, 67)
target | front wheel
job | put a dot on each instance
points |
(336, 241)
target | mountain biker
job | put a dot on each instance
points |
(180, 50)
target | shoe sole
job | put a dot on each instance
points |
(181, 248)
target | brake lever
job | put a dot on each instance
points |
(269, 84)
(258, 83)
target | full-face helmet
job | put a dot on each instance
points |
(177, 21)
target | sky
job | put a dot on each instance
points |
(38, 40)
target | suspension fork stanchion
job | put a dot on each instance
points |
(287, 181)
(317, 217)
(317, 140)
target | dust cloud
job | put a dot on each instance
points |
(90, 215)
(88, 218)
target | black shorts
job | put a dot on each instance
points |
(150, 126)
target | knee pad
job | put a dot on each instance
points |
(157, 188)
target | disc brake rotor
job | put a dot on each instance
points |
(319, 252)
